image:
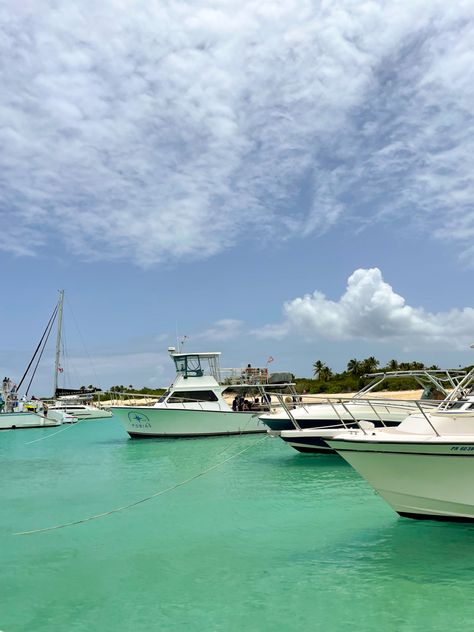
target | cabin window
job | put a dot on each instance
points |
(192, 396)
(189, 366)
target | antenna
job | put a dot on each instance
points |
(181, 343)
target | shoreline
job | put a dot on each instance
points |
(308, 398)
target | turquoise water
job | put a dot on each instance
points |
(272, 540)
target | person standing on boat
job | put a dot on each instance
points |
(248, 373)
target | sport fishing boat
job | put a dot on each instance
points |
(424, 468)
(307, 426)
(197, 402)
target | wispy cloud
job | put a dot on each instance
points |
(160, 131)
(369, 309)
(147, 368)
(221, 330)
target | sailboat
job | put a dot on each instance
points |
(16, 412)
(73, 404)
(65, 406)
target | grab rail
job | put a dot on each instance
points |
(350, 407)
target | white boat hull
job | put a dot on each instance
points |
(428, 479)
(85, 413)
(11, 421)
(315, 440)
(174, 422)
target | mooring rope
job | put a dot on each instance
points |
(55, 433)
(142, 500)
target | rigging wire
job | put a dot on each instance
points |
(83, 342)
(145, 499)
(48, 326)
(39, 359)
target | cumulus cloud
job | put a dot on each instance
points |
(370, 309)
(158, 131)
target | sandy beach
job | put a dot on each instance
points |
(308, 399)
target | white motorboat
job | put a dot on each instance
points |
(195, 405)
(424, 468)
(76, 407)
(307, 426)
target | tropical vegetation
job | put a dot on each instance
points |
(325, 380)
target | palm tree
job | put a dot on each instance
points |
(353, 366)
(370, 365)
(325, 374)
(318, 366)
(392, 365)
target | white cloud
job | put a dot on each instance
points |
(162, 131)
(221, 330)
(370, 310)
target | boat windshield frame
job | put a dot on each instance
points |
(440, 379)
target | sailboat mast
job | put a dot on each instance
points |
(58, 341)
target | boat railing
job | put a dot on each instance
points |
(356, 410)
(119, 398)
(244, 375)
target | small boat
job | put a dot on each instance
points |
(199, 401)
(307, 426)
(78, 406)
(20, 418)
(424, 468)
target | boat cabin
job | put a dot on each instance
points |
(200, 380)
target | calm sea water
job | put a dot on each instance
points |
(272, 540)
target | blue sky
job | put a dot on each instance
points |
(292, 180)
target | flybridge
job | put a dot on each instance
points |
(196, 364)
(200, 364)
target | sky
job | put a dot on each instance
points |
(289, 180)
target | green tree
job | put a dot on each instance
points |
(369, 365)
(354, 367)
(392, 365)
(318, 366)
(325, 374)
